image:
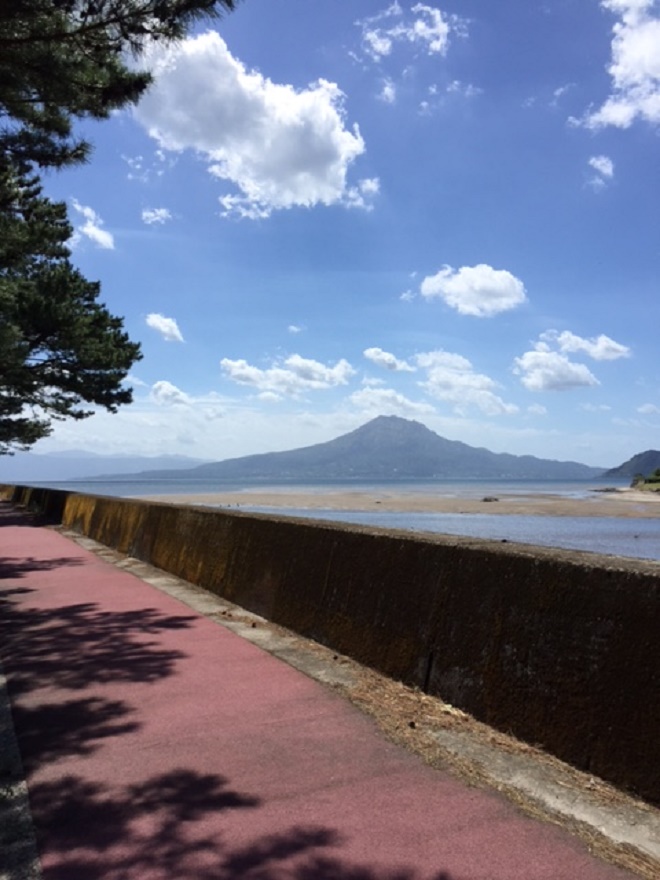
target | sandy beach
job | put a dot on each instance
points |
(614, 503)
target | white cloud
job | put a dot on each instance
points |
(451, 377)
(649, 409)
(134, 380)
(467, 90)
(289, 378)
(386, 360)
(596, 407)
(387, 401)
(280, 147)
(545, 370)
(165, 394)
(634, 67)
(92, 227)
(425, 27)
(475, 290)
(362, 195)
(559, 93)
(604, 168)
(142, 170)
(387, 93)
(156, 215)
(295, 328)
(600, 348)
(536, 409)
(603, 165)
(167, 327)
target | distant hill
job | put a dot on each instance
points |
(32, 467)
(642, 463)
(386, 448)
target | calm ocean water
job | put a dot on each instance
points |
(631, 536)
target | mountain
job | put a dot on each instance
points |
(75, 465)
(642, 463)
(386, 448)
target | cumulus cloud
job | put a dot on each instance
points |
(152, 216)
(425, 27)
(545, 370)
(634, 67)
(649, 409)
(600, 348)
(387, 401)
(295, 328)
(280, 147)
(167, 327)
(475, 290)
(548, 368)
(386, 360)
(92, 228)
(452, 378)
(165, 394)
(291, 377)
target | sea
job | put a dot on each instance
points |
(630, 536)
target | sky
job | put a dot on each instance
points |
(324, 212)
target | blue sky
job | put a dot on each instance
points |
(323, 212)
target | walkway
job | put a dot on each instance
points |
(158, 744)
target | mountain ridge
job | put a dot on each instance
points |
(642, 463)
(81, 465)
(385, 448)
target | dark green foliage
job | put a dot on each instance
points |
(60, 348)
(66, 59)
(62, 60)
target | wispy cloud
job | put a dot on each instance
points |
(158, 216)
(290, 377)
(603, 167)
(452, 378)
(92, 228)
(423, 27)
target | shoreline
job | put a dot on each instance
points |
(626, 503)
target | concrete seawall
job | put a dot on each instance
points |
(560, 648)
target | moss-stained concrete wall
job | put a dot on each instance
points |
(560, 648)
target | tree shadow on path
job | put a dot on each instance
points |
(75, 646)
(172, 827)
(13, 567)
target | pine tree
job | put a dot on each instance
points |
(61, 61)
(59, 347)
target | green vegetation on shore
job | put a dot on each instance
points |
(651, 483)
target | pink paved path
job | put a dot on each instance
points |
(157, 744)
